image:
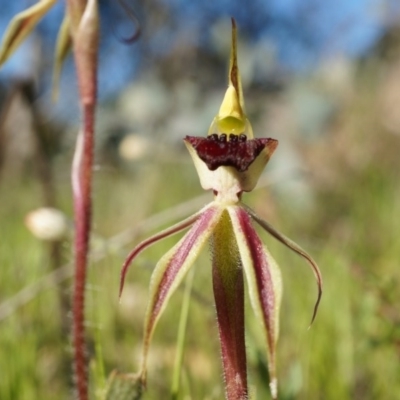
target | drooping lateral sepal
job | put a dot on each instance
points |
(297, 249)
(229, 301)
(172, 268)
(264, 282)
(155, 238)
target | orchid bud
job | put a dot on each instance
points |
(47, 224)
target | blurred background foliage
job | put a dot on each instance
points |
(321, 77)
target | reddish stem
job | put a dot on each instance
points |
(85, 39)
(82, 177)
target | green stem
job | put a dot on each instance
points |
(176, 377)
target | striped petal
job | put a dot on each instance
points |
(264, 283)
(172, 268)
(21, 26)
(153, 239)
(297, 249)
(229, 301)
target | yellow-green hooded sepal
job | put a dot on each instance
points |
(231, 117)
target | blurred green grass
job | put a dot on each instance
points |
(351, 352)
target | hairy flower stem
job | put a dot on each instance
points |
(229, 299)
(81, 176)
(85, 40)
(81, 28)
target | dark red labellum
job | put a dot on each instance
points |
(229, 151)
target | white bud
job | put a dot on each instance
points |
(47, 223)
(133, 147)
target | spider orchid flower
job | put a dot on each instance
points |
(229, 161)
